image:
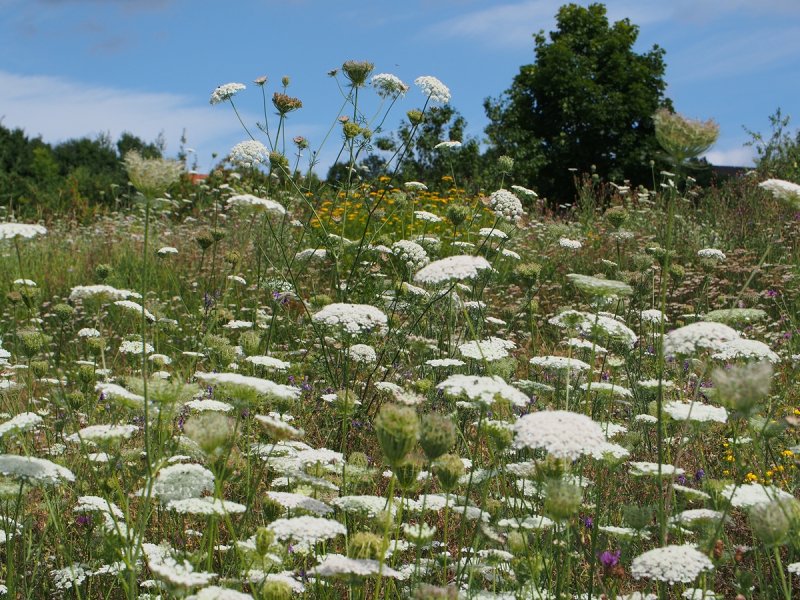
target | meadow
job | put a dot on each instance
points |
(387, 388)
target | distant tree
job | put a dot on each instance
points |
(588, 100)
(778, 155)
(127, 142)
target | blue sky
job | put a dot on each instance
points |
(70, 68)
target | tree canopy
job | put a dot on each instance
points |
(588, 100)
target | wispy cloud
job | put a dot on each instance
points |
(734, 156)
(511, 25)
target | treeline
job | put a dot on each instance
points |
(76, 176)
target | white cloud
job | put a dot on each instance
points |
(59, 109)
(733, 156)
(511, 25)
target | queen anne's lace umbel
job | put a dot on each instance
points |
(562, 433)
(671, 564)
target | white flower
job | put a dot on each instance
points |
(34, 470)
(687, 517)
(370, 506)
(712, 254)
(169, 570)
(424, 215)
(490, 349)
(411, 254)
(671, 564)
(570, 244)
(362, 353)
(445, 362)
(306, 531)
(137, 308)
(300, 501)
(86, 291)
(112, 390)
(703, 335)
(562, 433)
(249, 153)
(261, 386)
(588, 323)
(214, 592)
(505, 205)
(311, 253)
(25, 282)
(353, 318)
(649, 468)
(560, 363)
(388, 85)
(166, 251)
(654, 316)
(181, 481)
(22, 422)
(88, 332)
(416, 185)
(482, 390)
(205, 506)
(452, 268)
(134, 347)
(269, 362)
(603, 387)
(94, 433)
(747, 495)
(434, 89)
(782, 190)
(595, 286)
(492, 232)
(695, 411)
(8, 231)
(225, 92)
(524, 191)
(337, 565)
(263, 204)
(747, 350)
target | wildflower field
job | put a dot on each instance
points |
(262, 388)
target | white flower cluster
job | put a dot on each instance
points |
(265, 204)
(362, 353)
(482, 389)
(300, 501)
(588, 323)
(225, 92)
(671, 564)
(449, 144)
(171, 571)
(353, 318)
(8, 231)
(135, 347)
(562, 433)
(269, 362)
(711, 254)
(181, 481)
(338, 565)
(492, 232)
(595, 286)
(112, 390)
(306, 531)
(703, 335)
(559, 363)
(80, 292)
(388, 85)
(746, 349)
(505, 205)
(34, 470)
(429, 217)
(22, 422)
(653, 316)
(206, 506)
(695, 411)
(137, 308)
(785, 191)
(748, 495)
(369, 506)
(94, 433)
(490, 349)
(249, 153)
(452, 268)
(434, 89)
(214, 592)
(261, 386)
(411, 254)
(569, 244)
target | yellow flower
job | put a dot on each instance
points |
(751, 477)
(787, 453)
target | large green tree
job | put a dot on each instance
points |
(587, 100)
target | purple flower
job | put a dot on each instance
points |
(771, 294)
(610, 558)
(588, 522)
(698, 476)
(682, 479)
